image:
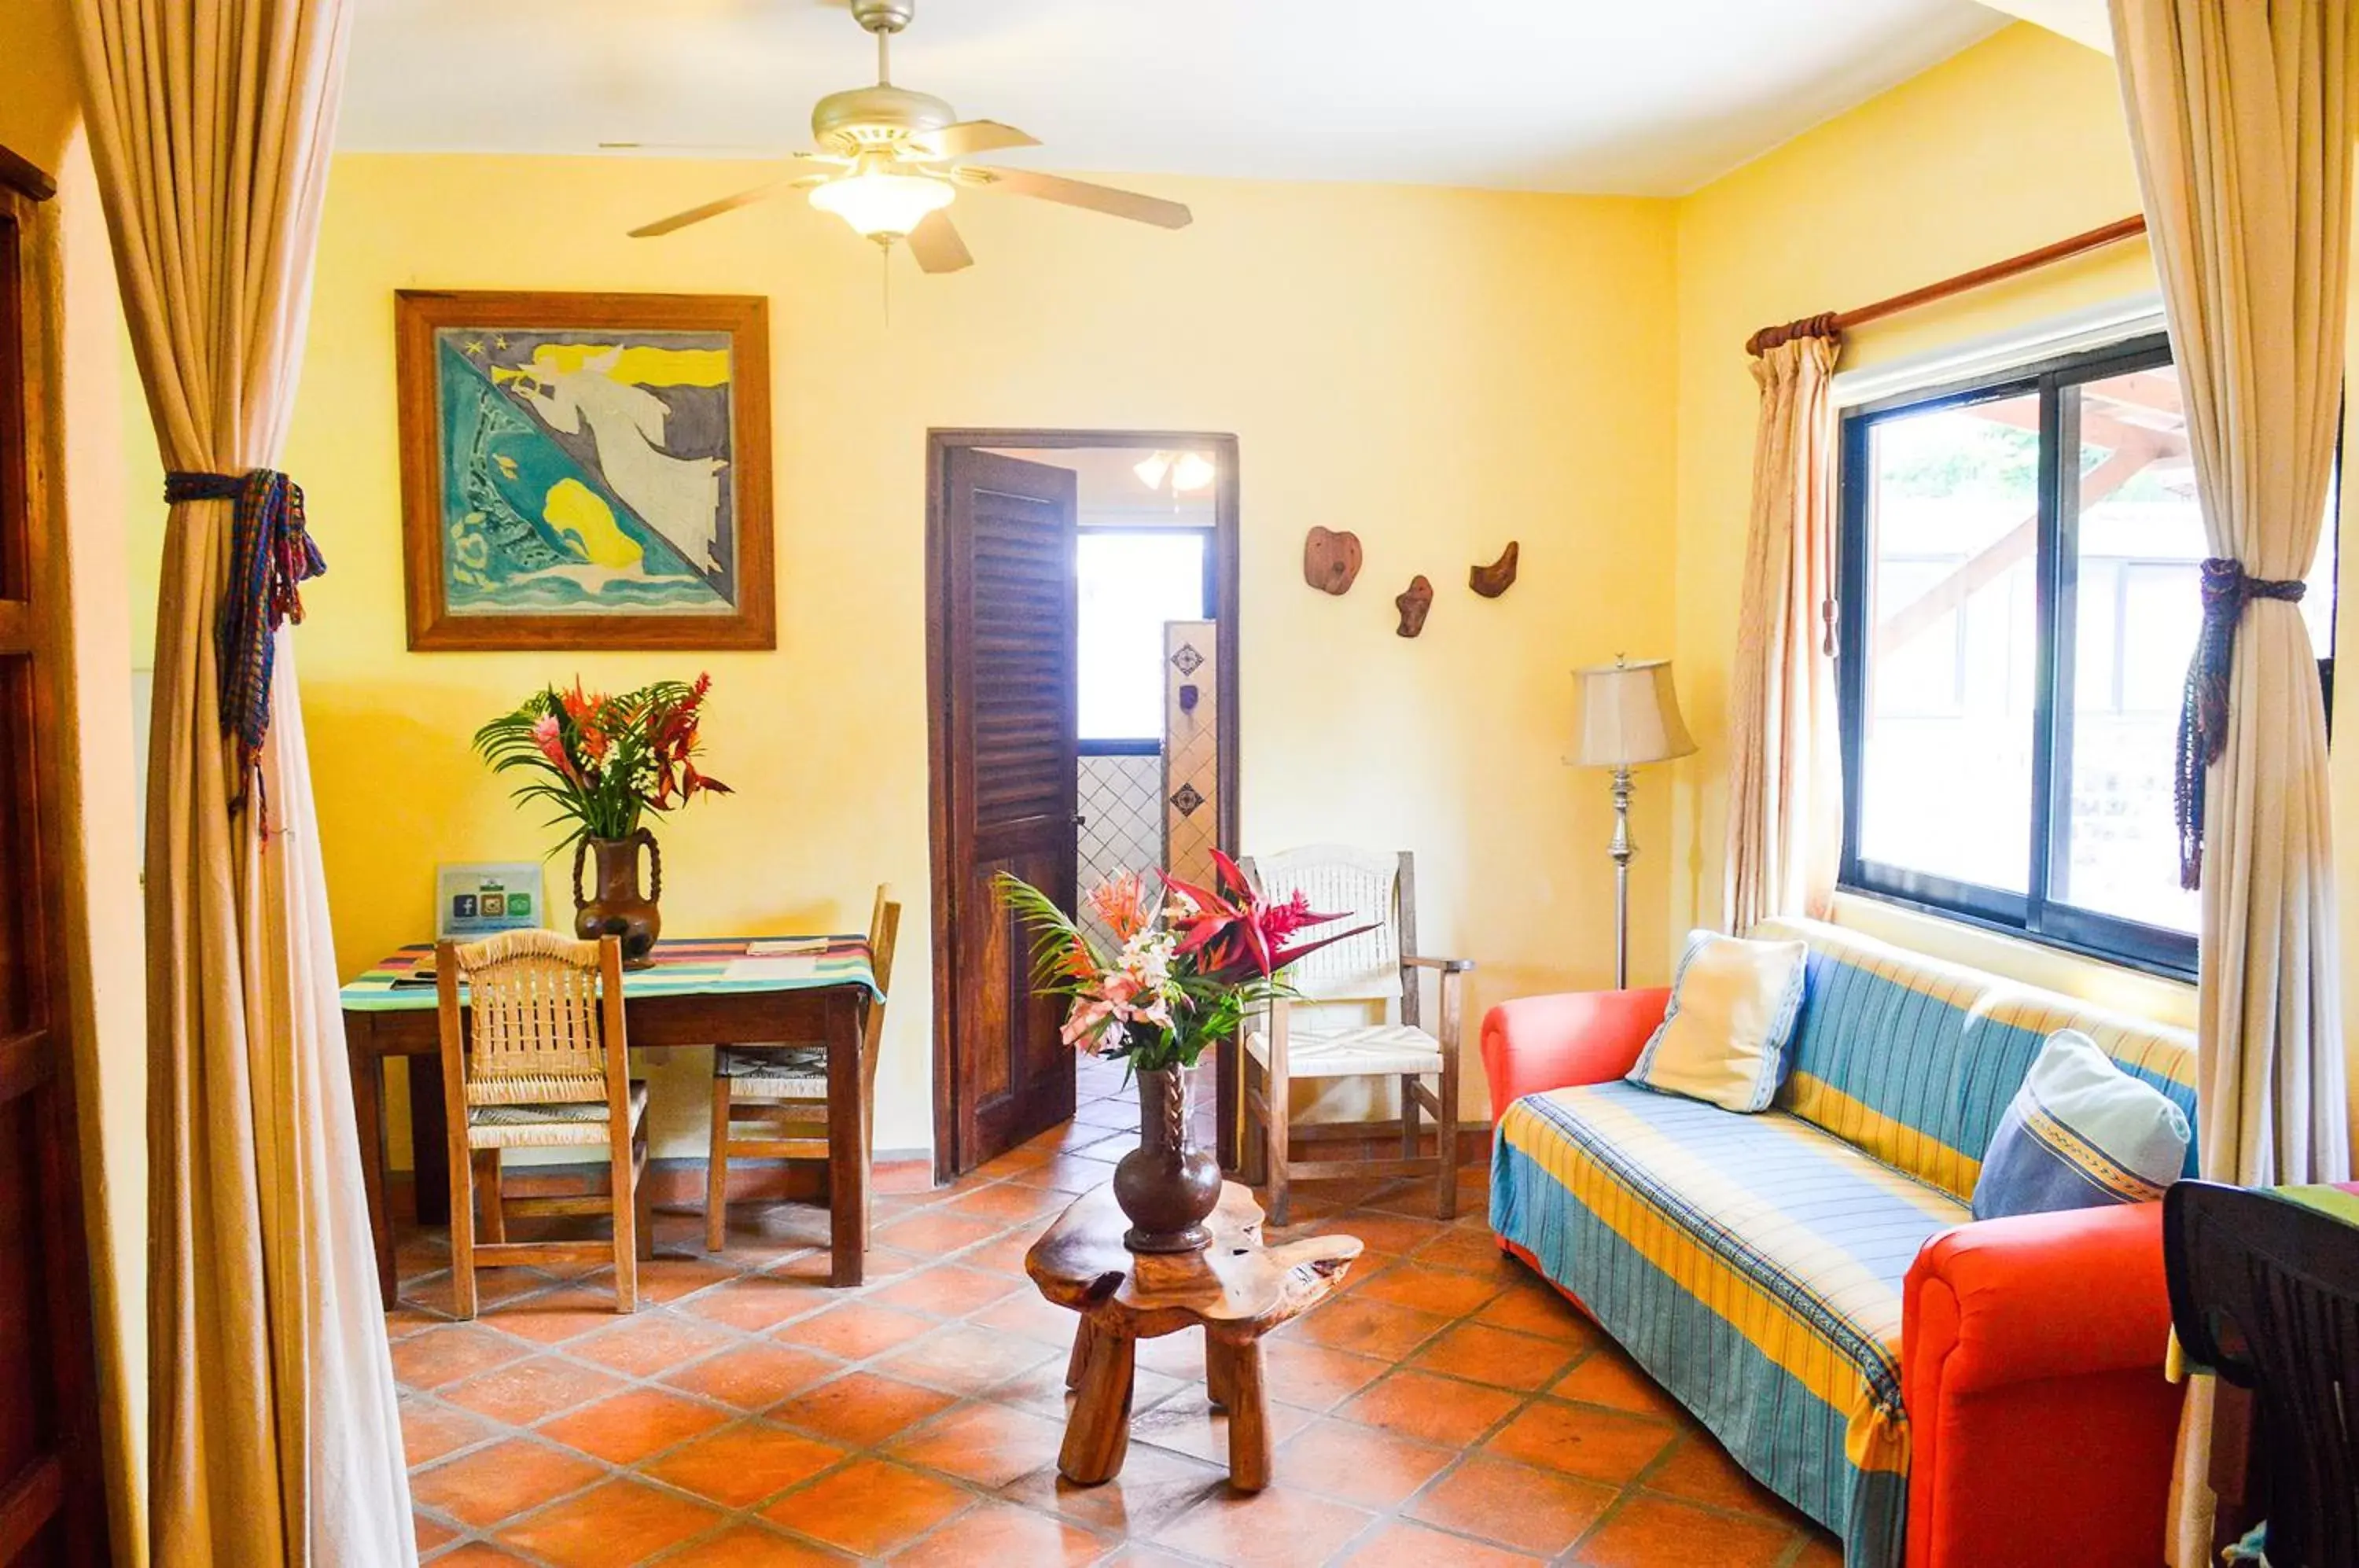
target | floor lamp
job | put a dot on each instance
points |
(1629, 715)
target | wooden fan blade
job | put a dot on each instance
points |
(971, 136)
(936, 243)
(714, 209)
(1081, 194)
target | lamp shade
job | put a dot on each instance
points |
(1627, 714)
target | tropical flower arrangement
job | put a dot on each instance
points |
(603, 760)
(1192, 963)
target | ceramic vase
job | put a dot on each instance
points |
(1167, 1186)
(617, 908)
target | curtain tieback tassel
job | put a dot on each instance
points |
(270, 555)
(2203, 715)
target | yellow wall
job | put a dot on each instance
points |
(2011, 143)
(90, 649)
(1438, 370)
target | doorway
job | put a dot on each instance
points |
(1083, 675)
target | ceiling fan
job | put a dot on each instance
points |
(895, 160)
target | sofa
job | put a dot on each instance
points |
(1811, 1283)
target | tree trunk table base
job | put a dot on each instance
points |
(1236, 1291)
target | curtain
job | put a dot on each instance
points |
(1785, 802)
(273, 1428)
(2241, 119)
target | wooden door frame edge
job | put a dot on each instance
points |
(1227, 553)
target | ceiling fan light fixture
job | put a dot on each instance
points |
(1151, 469)
(1191, 471)
(879, 204)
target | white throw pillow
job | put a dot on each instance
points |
(1734, 1003)
(2080, 1133)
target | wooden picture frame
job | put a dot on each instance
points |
(585, 470)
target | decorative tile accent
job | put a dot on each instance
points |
(1186, 799)
(1187, 660)
(1192, 752)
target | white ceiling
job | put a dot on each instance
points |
(1636, 96)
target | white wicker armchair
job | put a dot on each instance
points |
(1378, 969)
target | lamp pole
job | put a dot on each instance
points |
(1620, 849)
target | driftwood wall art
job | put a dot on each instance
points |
(1497, 578)
(1414, 604)
(1330, 562)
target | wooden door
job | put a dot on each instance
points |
(1006, 757)
(51, 1510)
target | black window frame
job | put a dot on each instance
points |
(2033, 915)
(1143, 746)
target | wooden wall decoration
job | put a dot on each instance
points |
(1330, 562)
(1414, 604)
(1499, 576)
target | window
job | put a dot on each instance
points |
(2019, 603)
(1132, 579)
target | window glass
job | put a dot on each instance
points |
(1946, 742)
(1132, 582)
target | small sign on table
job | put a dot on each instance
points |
(476, 898)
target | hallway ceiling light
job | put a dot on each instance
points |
(1187, 471)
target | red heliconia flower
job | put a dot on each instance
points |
(1234, 932)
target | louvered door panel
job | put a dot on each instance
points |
(51, 1502)
(1011, 724)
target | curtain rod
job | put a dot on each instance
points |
(1834, 323)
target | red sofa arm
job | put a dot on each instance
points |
(2041, 1426)
(1578, 1037)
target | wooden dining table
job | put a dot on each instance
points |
(787, 990)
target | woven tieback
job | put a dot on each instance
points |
(271, 553)
(2203, 716)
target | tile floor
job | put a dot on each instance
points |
(1445, 1409)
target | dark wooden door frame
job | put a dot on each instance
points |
(939, 443)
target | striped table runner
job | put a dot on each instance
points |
(703, 966)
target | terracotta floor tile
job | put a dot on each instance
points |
(740, 1465)
(948, 1289)
(629, 1427)
(1607, 1377)
(1435, 1410)
(431, 1534)
(1495, 1355)
(857, 1329)
(1029, 1314)
(987, 1444)
(938, 1232)
(1821, 1550)
(1156, 1487)
(556, 1316)
(1005, 1256)
(860, 1408)
(479, 1555)
(499, 1482)
(430, 1431)
(651, 1340)
(869, 1507)
(620, 1523)
(1006, 1204)
(523, 1392)
(1531, 1510)
(1025, 1158)
(1430, 1289)
(1404, 1545)
(963, 1359)
(1069, 1173)
(1002, 1532)
(1471, 1252)
(751, 1546)
(1314, 1376)
(1180, 1356)
(1379, 1231)
(1281, 1527)
(1361, 1464)
(1147, 1557)
(1536, 1309)
(1583, 1439)
(754, 1377)
(667, 1280)
(755, 1302)
(1370, 1327)
(1661, 1532)
(1042, 1391)
(1700, 1471)
(437, 1356)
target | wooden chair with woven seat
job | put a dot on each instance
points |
(770, 1102)
(539, 1061)
(1378, 971)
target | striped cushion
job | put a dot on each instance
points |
(1751, 1264)
(773, 1072)
(1915, 1060)
(2080, 1133)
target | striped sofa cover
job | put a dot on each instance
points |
(1754, 1264)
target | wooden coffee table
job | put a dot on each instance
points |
(1236, 1291)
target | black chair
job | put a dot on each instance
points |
(2266, 1292)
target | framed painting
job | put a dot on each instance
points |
(585, 470)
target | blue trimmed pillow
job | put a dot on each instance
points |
(2080, 1134)
(1732, 1016)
